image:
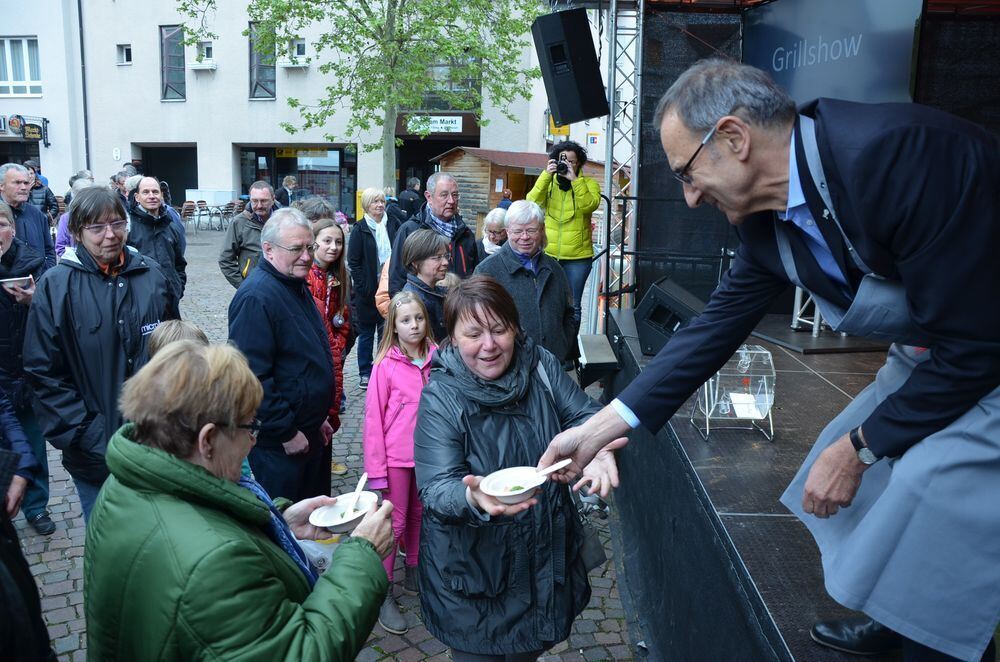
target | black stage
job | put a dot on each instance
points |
(777, 329)
(711, 565)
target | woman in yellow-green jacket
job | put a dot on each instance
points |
(568, 199)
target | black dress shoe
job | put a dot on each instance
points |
(42, 523)
(857, 635)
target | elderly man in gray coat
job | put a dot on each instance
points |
(535, 281)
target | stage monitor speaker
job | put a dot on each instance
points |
(569, 66)
(666, 308)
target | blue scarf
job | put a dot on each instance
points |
(441, 227)
(277, 529)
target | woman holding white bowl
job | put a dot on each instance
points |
(498, 582)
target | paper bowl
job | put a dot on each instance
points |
(331, 517)
(512, 485)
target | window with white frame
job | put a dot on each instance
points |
(206, 51)
(20, 73)
(124, 54)
(298, 48)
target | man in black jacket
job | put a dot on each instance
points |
(41, 195)
(440, 214)
(274, 321)
(89, 322)
(155, 234)
(889, 214)
(23, 635)
(32, 224)
(410, 200)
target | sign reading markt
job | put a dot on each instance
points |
(434, 124)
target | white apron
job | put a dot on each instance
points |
(918, 550)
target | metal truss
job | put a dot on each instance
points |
(624, 20)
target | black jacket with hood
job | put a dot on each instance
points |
(20, 260)
(162, 240)
(497, 585)
(89, 333)
(463, 245)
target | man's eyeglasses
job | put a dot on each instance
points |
(682, 175)
(296, 250)
(100, 229)
(531, 232)
(253, 427)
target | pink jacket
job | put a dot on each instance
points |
(391, 414)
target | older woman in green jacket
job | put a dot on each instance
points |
(568, 198)
(187, 561)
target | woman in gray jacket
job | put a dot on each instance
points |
(498, 582)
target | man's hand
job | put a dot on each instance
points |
(491, 505)
(376, 528)
(833, 480)
(297, 518)
(583, 442)
(15, 494)
(550, 167)
(602, 473)
(296, 445)
(327, 431)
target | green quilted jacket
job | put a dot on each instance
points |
(177, 566)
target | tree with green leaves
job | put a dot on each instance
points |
(381, 58)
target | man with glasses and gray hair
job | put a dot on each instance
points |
(440, 214)
(275, 323)
(889, 215)
(31, 223)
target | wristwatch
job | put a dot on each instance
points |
(865, 454)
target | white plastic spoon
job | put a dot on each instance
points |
(554, 467)
(356, 495)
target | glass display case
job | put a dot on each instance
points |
(739, 396)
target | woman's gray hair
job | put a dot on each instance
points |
(132, 183)
(82, 183)
(283, 218)
(495, 217)
(16, 167)
(523, 211)
(714, 88)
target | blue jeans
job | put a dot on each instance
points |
(366, 344)
(577, 272)
(36, 496)
(88, 496)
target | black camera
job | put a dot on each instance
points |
(562, 168)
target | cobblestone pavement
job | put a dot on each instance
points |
(57, 561)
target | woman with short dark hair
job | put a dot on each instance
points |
(569, 198)
(425, 256)
(89, 321)
(498, 581)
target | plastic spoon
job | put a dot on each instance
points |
(554, 467)
(357, 495)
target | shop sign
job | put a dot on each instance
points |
(32, 132)
(435, 123)
(15, 124)
(293, 153)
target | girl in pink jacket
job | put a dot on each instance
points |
(402, 368)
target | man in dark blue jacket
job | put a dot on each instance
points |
(274, 321)
(889, 215)
(32, 224)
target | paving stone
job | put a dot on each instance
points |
(585, 627)
(368, 655)
(608, 638)
(594, 654)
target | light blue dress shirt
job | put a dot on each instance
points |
(796, 212)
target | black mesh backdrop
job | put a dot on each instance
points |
(692, 238)
(959, 68)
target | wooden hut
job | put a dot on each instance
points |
(482, 174)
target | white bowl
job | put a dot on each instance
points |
(512, 485)
(332, 517)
